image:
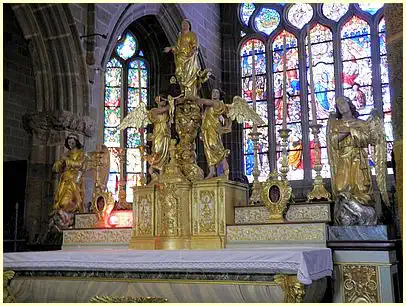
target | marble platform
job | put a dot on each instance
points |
(359, 232)
(180, 276)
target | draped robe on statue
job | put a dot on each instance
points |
(160, 141)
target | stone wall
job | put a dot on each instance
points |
(18, 88)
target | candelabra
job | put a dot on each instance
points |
(256, 185)
(319, 191)
(122, 195)
(284, 134)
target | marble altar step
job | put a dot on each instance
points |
(297, 212)
(289, 234)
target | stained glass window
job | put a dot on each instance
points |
(295, 159)
(321, 40)
(387, 109)
(357, 64)
(246, 11)
(300, 14)
(253, 55)
(267, 20)
(335, 11)
(126, 85)
(345, 68)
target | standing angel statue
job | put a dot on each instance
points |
(217, 119)
(348, 139)
(188, 72)
(159, 117)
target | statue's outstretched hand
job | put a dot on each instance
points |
(167, 49)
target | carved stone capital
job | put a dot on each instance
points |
(42, 124)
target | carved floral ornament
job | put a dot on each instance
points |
(60, 121)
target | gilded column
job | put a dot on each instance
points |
(393, 13)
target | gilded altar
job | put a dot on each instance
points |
(185, 215)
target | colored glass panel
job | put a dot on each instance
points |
(325, 171)
(112, 96)
(133, 138)
(386, 99)
(111, 137)
(294, 110)
(133, 179)
(138, 64)
(388, 126)
(361, 97)
(133, 160)
(113, 63)
(291, 41)
(384, 70)
(134, 96)
(262, 110)
(295, 133)
(141, 53)
(113, 76)
(335, 11)
(263, 165)
(323, 77)
(267, 20)
(262, 144)
(292, 83)
(111, 117)
(325, 103)
(246, 11)
(355, 27)
(247, 90)
(242, 34)
(127, 48)
(134, 75)
(300, 14)
(382, 43)
(357, 71)
(255, 44)
(292, 60)
(322, 134)
(114, 160)
(356, 47)
(371, 8)
(382, 25)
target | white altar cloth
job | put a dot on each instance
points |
(308, 264)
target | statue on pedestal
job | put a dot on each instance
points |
(348, 139)
(68, 198)
(188, 72)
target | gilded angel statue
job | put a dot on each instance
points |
(159, 117)
(348, 139)
(217, 119)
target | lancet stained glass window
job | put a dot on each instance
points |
(349, 67)
(126, 85)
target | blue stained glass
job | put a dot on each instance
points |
(267, 20)
(356, 47)
(355, 27)
(113, 77)
(384, 70)
(371, 8)
(133, 138)
(382, 25)
(246, 11)
(138, 64)
(325, 103)
(127, 48)
(387, 107)
(242, 34)
(357, 71)
(111, 117)
(300, 14)
(291, 41)
(111, 137)
(382, 43)
(319, 33)
(114, 63)
(141, 53)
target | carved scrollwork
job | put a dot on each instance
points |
(207, 220)
(360, 284)
(127, 299)
(293, 289)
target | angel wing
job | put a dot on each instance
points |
(138, 118)
(240, 111)
(378, 140)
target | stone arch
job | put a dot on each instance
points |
(59, 64)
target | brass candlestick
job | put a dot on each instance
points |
(256, 185)
(319, 191)
(122, 194)
(284, 134)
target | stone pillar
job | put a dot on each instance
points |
(47, 137)
(393, 13)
